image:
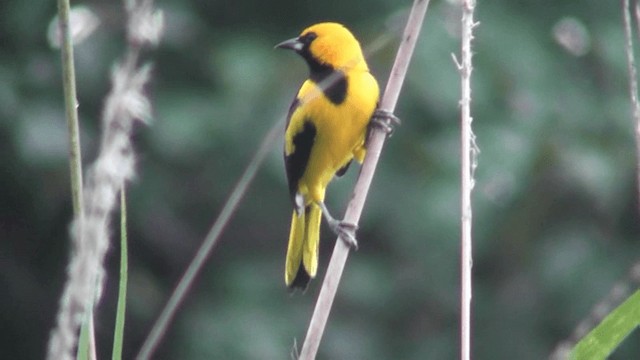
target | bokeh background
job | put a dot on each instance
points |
(555, 201)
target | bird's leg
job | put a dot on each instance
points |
(346, 231)
(385, 120)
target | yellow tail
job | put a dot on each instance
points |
(302, 252)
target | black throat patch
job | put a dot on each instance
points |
(333, 82)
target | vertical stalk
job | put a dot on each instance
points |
(467, 151)
(73, 128)
(633, 81)
(118, 333)
(71, 106)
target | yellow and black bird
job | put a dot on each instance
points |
(326, 129)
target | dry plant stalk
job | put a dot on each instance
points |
(354, 209)
(468, 153)
(633, 79)
(125, 104)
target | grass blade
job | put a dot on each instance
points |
(83, 342)
(118, 333)
(610, 333)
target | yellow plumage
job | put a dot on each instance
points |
(326, 129)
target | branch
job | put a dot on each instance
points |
(354, 209)
(468, 154)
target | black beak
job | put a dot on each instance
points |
(292, 44)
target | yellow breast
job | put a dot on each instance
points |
(340, 129)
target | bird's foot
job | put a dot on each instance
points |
(346, 232)
(385, 120)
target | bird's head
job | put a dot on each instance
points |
(327, 46)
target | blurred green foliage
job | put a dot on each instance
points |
(555, 201)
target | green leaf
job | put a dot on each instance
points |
(122, 290)
(83, 342)
(610, 333)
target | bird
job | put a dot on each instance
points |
(326, 130)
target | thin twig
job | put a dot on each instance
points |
(203, 253)
(467, 154)
(354, 209)
(633, 80)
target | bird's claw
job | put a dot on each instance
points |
(385, 120)
(346, 232)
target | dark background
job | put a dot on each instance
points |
(555, 201)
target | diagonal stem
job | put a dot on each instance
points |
(195, 266)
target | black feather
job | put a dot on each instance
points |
(333, 82)
(343, 169)
(296, 162)
(301, 280)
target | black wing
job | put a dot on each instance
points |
(296, 162)
(294, 105)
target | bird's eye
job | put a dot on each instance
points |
(308, 38)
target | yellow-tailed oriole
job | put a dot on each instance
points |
(326, 128)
